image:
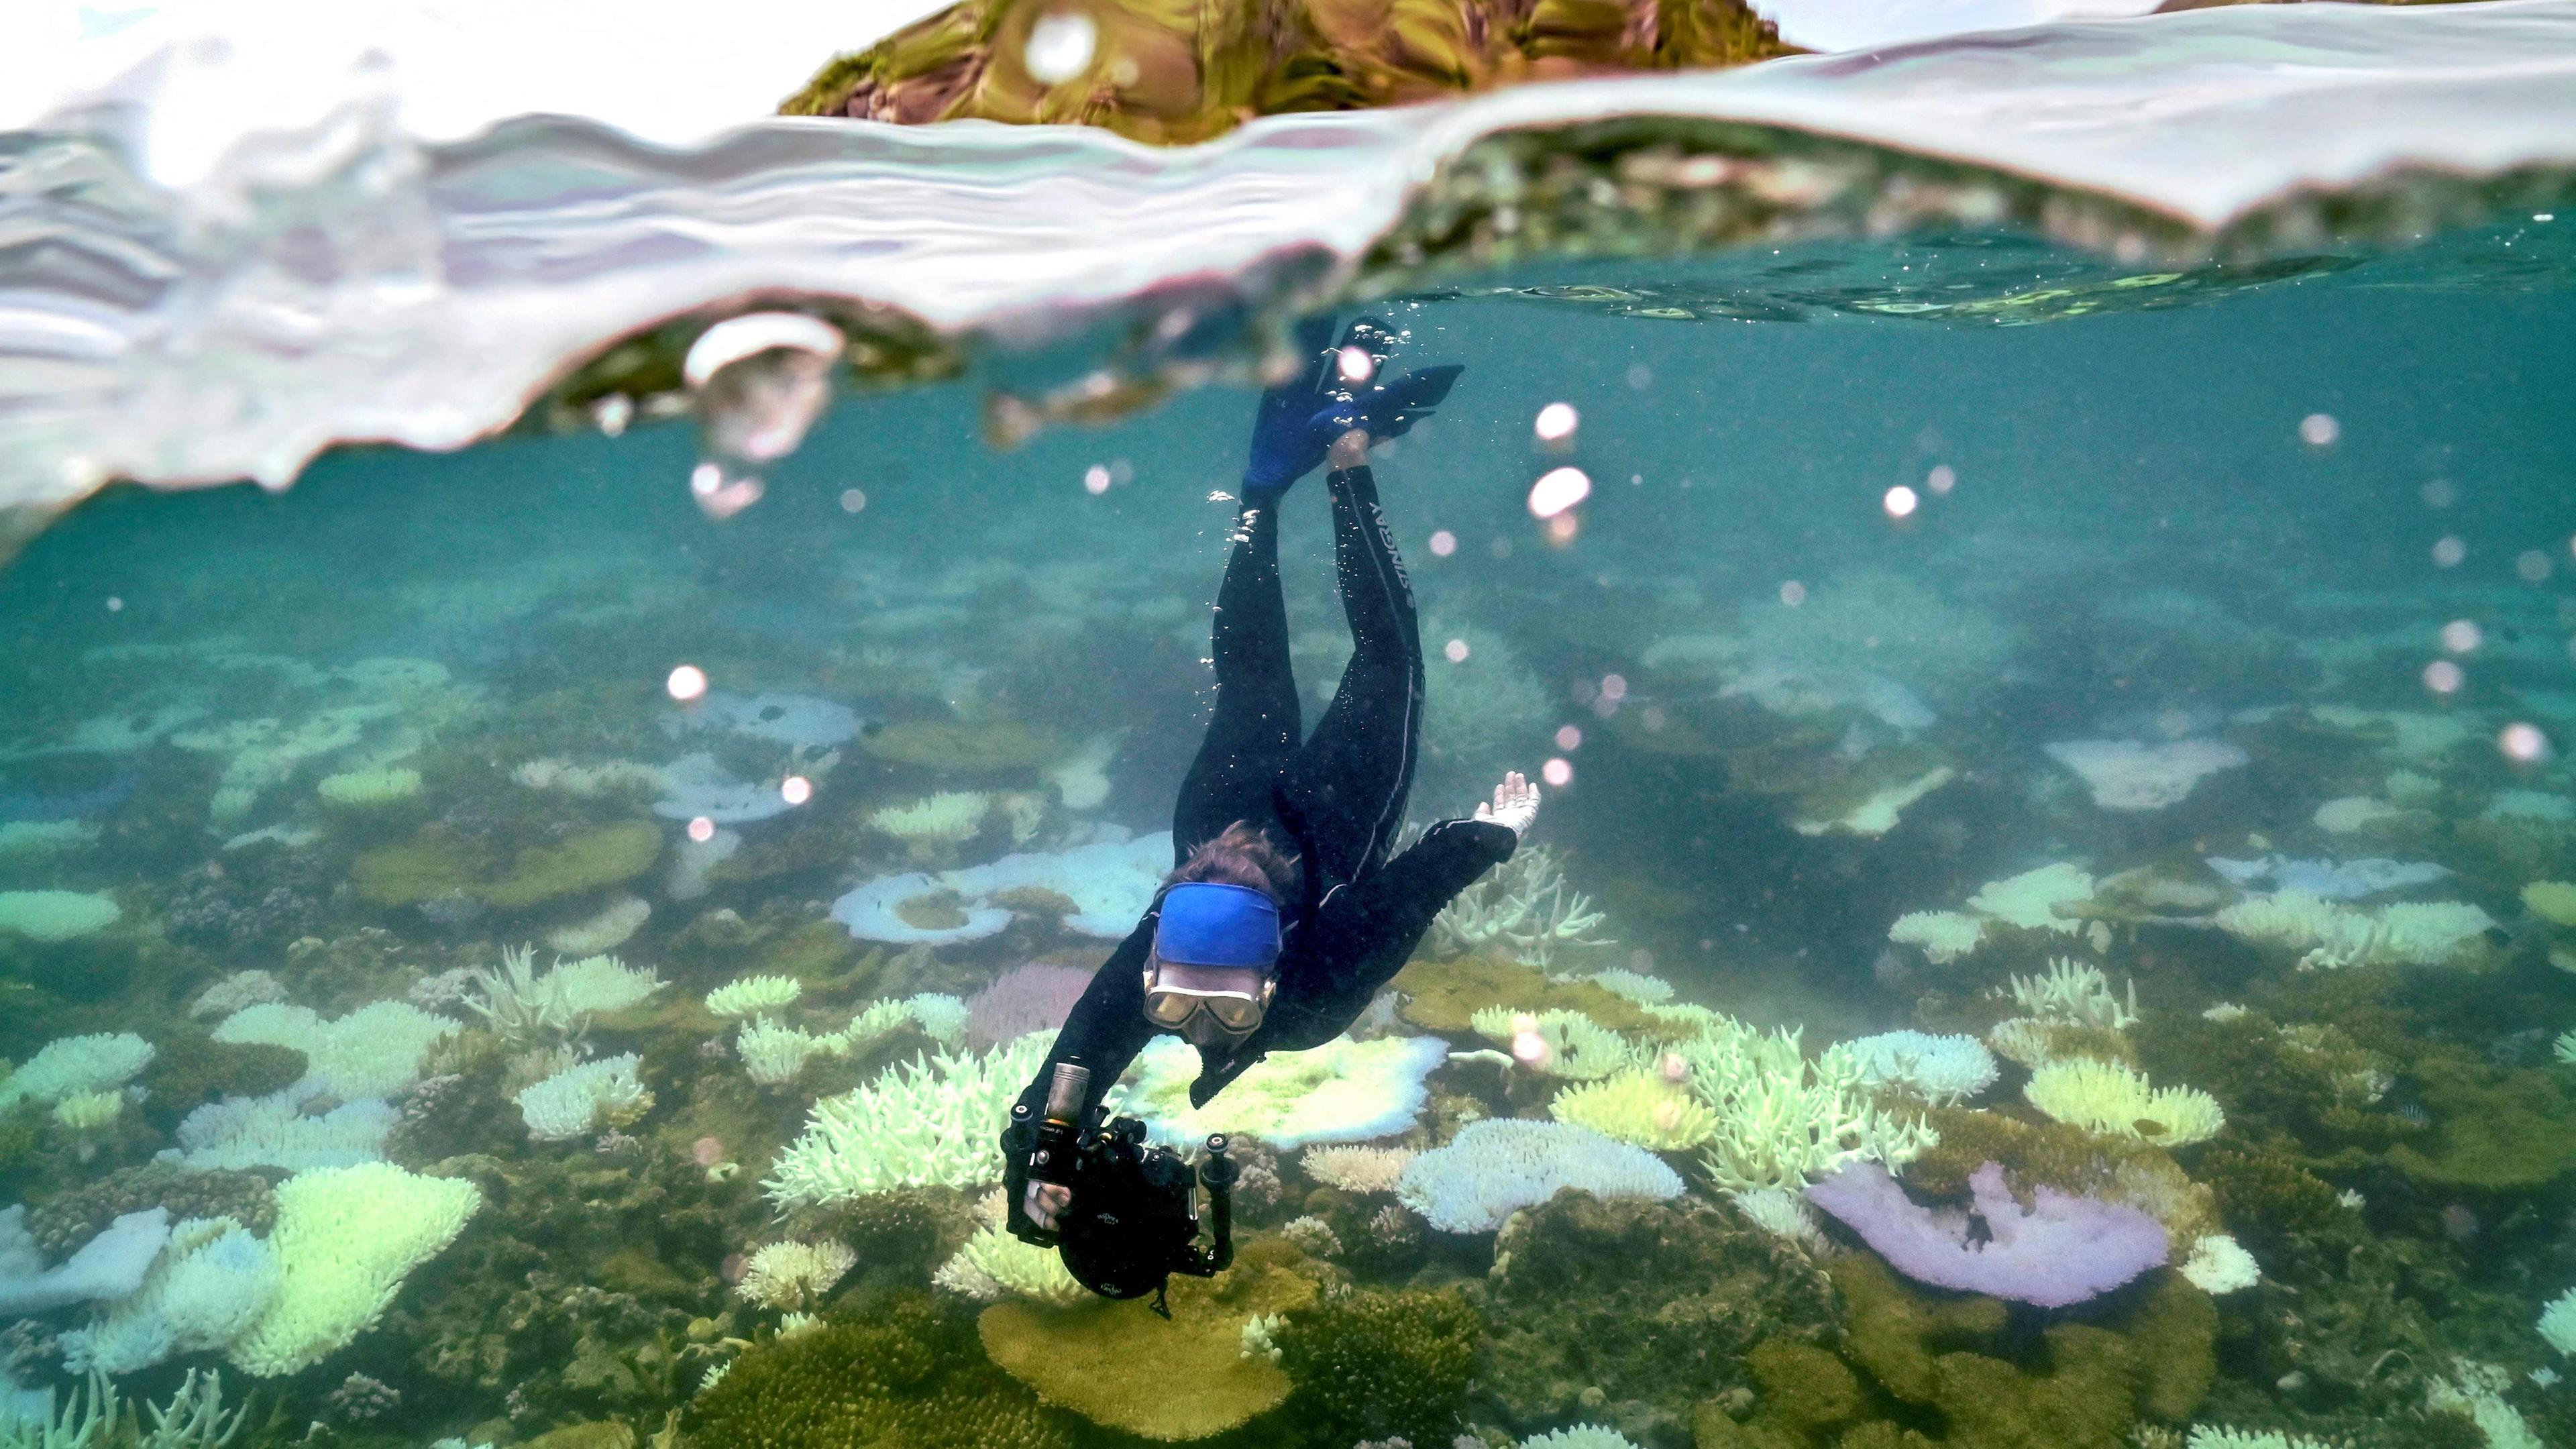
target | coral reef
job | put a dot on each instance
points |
(1637, 1310)
(1374, 1365)
(1182, 1378)
(894, 1372)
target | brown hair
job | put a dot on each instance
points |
(1242, 854)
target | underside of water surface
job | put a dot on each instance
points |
(2046, 644)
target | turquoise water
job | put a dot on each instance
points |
(2164, 704)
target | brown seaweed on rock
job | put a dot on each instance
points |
(1175, 74)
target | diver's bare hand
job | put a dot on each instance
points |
(1043, 1201)
(1515, 804)
(1350, 450)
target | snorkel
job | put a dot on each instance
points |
(1212, 972)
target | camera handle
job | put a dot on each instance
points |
(1217, 1174)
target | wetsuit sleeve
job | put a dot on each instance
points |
(1107, 1027)
(1104, 1032)
(1363, 934)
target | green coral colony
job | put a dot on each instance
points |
(440, 1051)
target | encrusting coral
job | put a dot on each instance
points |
(1376, 1365)
(1183, 1378)
(894, 1372)
(1647, 1304)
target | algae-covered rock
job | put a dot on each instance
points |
(1119, 1365)
(1444, 995)
(894, 1373)
(430, 865)
(1638, 1302)
(1961, 1377)
(609, 855)
(2493, 1127)
(985, 747)
(436, 864)
(1376, 1365)
(65, 1221)
(1160, 72)
(2052, 1154)
(190, 1069)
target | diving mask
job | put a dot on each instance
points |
(1210, 976)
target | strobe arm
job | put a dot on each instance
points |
(1217, 1174)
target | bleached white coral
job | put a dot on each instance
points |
(1581, 1436)
(345, 1239)
(941, 1017)
(72, 1064)
(2116, 1101)
(208, 1286)
(90, 1111)
(1523, 907)
(1340, 1091)
(1637, 986)
(946, 818)
(2209, 1436)
(524, 1005)
(1495, 1167)
(1780, 1213)
(1942, 936)
(2076, 994)
(1782, 1119)
(1644, 1108)
(1565, 1044)
(1356, 1169)
(793, 1274)
(1943, 1070)
(754, 993)
(2558, 1322)
(2476, 1392)
(2031, 899)
(993, 1265)
(2219, 1264)
(240, 989)
(374, 1051)
(927, 1122)
(773, 1054)
(275, 1131)
(2332, 936)
(578, 1099)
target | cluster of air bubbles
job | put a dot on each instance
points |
(758, 383)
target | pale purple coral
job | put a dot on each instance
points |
(2061, 1250)
(1022, 1000)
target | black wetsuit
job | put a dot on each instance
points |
(1337, 801)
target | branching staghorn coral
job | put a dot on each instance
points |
(523, 1006)
(1783, 1119)
(1524, 907)
(2074, 993)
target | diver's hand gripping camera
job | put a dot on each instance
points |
(1134, 1219)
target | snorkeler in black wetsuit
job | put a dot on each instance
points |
(1283, 915)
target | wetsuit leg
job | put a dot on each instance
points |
(1344, 792)
(1256, 723)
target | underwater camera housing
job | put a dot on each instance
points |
(1134, 1219)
